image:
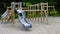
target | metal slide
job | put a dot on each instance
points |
(4, 14)
(23, 20)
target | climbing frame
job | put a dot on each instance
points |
(40, 10)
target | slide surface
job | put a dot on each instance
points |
(23, 20)
(4, 15)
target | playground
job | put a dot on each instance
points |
(31, 19)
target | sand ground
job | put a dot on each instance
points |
(53, 27)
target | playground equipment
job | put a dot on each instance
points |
(42, 9)
(21, 16)
(9, 14)
(22, 19)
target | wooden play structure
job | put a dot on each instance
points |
(10, 15)
(32, 10)
(41, 8)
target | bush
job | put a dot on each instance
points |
(52, 13)
(16, 15)
(58, 14)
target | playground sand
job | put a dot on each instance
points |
(53, 27)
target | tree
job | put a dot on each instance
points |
(58, 6)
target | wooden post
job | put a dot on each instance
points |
(18, 6)
(12, 11)
(43, 7)
(33, 15)
(47, 14)
(35, 12)
(38, 12)
(30, 13)
(41, 13)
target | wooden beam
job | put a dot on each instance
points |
(50, 6)
(34, 10)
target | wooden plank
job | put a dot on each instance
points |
(44, 3)
(50, 6)
(33, 5)
(34, 10)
